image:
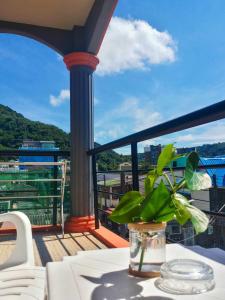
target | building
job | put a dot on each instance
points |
(147, 149)
(151, 154)
(147, 159)
(126, 166)
(154, 153)
(37, 146)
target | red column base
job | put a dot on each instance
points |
(80, 224)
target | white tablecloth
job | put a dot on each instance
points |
(102, 275)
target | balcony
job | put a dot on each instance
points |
(22, 189)
(110, 185)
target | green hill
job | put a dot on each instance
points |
(14, 128)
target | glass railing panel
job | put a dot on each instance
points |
(36, 191)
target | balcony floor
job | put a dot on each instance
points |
(50, 246)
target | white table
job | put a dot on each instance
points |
(102, 275)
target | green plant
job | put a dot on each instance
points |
(161, 201)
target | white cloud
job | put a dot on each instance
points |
(204, 134)
(141, 114)
(211, 133)
(109, 133)
(64, 96)
(132, 115)
(134, 44)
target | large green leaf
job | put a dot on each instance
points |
(187, 211)
(181, 199)
(191, 167)
(149, 182)
(199, 181)
(181, 203)
(165, 157)
(196, 180)
(153, 204)
(192, 161)
(165, 218)
(128, 208)
(198, 219)
(167, 213)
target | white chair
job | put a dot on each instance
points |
(19, 277)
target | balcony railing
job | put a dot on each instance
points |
(135, 175)
(34, 187)
(203, 116)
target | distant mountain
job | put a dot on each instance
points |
(206, 150)
(14, 128)
(211, 150)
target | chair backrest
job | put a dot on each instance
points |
(23, 253)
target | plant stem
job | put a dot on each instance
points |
(174, 178)
(180, 185)
(141, 259)
(168, 180)
(137, 249)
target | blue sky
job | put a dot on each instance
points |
(159, 60)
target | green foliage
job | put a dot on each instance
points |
(194, 180)
(150, 181)
(154, 203)
(198, 219)
(109, 160)
(14, 128)
(161, 201)
(165, 157)
(128, 208)
(181, 211)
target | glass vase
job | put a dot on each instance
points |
(147, 248)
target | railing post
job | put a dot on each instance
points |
(95, 190)
(134, 159)
(55, 202)
(122, 183)
(214, 180)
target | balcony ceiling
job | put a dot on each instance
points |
(60, 14)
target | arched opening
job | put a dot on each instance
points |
(77, 34)
(29, 73)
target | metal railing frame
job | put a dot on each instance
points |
(55, 155)
(199, 117)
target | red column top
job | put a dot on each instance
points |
(81, 58)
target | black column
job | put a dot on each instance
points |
(81, 120)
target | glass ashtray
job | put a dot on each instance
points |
(185, 277)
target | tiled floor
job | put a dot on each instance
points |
(51, 246)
